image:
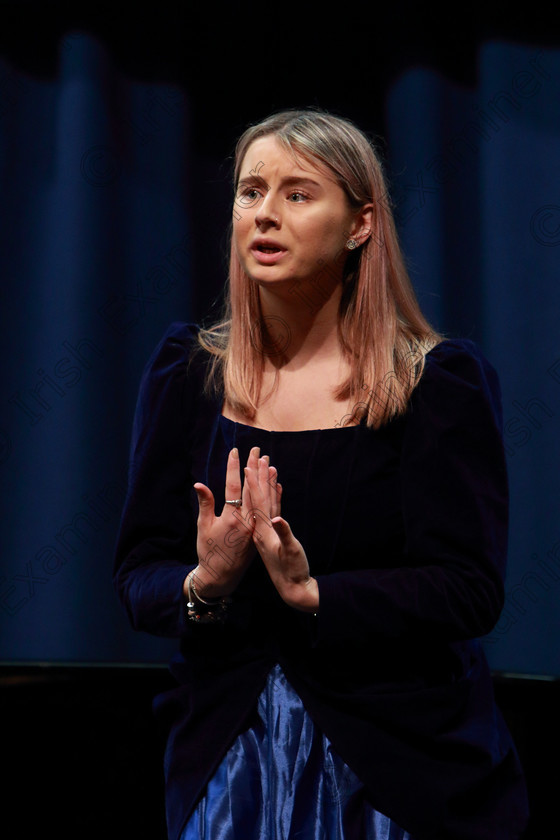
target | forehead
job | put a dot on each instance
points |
(266, 155)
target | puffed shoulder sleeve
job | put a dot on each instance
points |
(154, 550)
(448, 580)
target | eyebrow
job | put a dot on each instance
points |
(289, 181)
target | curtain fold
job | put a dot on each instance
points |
(97, 258)
(475, 171)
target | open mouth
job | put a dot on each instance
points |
(266, 253)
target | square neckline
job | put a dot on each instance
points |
(260, 430)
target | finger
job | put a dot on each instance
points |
(253, 478)
(259, 510)
(274, 493)
(251, 482)
(278, 499)
(252, 463)
(263, 478)
(253, 459)
(233, 477)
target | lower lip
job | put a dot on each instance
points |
(267, 258)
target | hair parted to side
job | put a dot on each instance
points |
(381, 327)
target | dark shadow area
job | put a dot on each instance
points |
(85, 757)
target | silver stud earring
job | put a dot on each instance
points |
(351, 244)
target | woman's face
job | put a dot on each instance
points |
(291, 219)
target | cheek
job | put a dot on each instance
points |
(334, 238)
(334, 227)
(236, 242)
(239, 231)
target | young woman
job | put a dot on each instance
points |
(318, 511)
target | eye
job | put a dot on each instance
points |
(247, 196)
(297, 196)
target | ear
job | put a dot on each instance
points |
(362, 225)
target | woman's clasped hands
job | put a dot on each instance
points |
(250, 522)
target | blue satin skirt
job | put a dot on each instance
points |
(281, 780)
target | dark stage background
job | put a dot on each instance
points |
(116, 131)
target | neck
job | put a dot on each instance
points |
(305, 329)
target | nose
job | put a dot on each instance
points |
(268, 212)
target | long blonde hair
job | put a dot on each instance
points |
(382, 329)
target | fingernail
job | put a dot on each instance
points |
(235, 452)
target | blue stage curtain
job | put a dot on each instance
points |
(475, 176)
(96, 262)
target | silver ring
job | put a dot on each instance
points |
(234, 502)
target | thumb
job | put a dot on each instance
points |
(282, 529)
(205, 503)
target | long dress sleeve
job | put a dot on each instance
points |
(156, 546)
(449, 578)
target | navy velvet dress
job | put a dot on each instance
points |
(395, 729)
(281, 779)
